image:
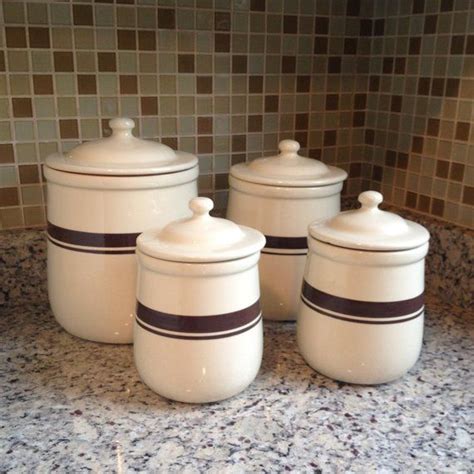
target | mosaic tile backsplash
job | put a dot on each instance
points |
(383, 89)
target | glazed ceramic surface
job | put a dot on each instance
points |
(100, 198)
(198, 331)
(281, 196)
(361, 312)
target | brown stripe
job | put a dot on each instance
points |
(281, 253)
(286, 242)
(121, 175)
(367, 309)
(198, 324)
(85, 250)
(361, 321)
(202, 337)
(92, 239)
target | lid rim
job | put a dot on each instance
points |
(371, 250)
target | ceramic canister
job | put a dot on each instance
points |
(281, 196)
(101, 196)
(198, 331)
(361, 313)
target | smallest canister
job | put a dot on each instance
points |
(198, 333)
(361, 312)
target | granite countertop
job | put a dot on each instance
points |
(69, 404)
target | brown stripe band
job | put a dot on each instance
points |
(366, 309)
(92, 239)
(294, 243)
(362, 321)
(198, 324)
(202, 337)
(86, 250)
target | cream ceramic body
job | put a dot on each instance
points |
(360, 317)
(198, 332)
(92, 281)
(282, 213)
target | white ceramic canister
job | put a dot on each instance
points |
(361, 312)
(280, 196)
(101, 196)
(198, 333)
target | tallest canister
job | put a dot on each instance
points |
(101, 196)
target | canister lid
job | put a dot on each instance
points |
(121, 154)
(201, 238)
(288, 169)
(369, 228)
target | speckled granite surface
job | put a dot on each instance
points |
(74, 406)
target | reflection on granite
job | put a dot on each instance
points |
(71, 405)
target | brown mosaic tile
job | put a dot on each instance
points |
(288, 64)
(221, 43)
(330, 137)
(186, 63)
(15, 37)
(257, 5)
(149, 105)
(239, 142)
(414, 45)
(334, 65)
(205, 145)
(442, 168)
(424, 203)
(320, 45)
(255, 84)
(468, 195)
(446, 5)
(39, 37)
(126, 39)
(271, 103)
(437, 207)
(205, 125)
(456, 172)
(166, 19)
(457, 44)
(82, 15)
(29, 174)
(452, 87)
(222, 21)
(303, 83)
(43, 84)
(431, 22)
(86, 84)
(332, 101)
(128, 84)
(239, 64)
(432, 127)
(301, 121)
(204, 84)
(400, 65)
(290, 24)
(63, 61)
(410, 200)
(417, 145)
(2, 61)
(358, 119)
(9, 197)
(68, 128)
(350, 45)
(462, 131)
(365, 27)
(321, 25)
(22, 107)
(396, 103)
(254, 123)
(107, 62)
(6, 153)
(470, 44)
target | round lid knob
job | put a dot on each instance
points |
(288, 147)
(201, 206)
(370, 199)
(122, 127)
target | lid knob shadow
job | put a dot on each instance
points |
(201, 206)
(289, 147)
(370, 199)
(122, 127)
